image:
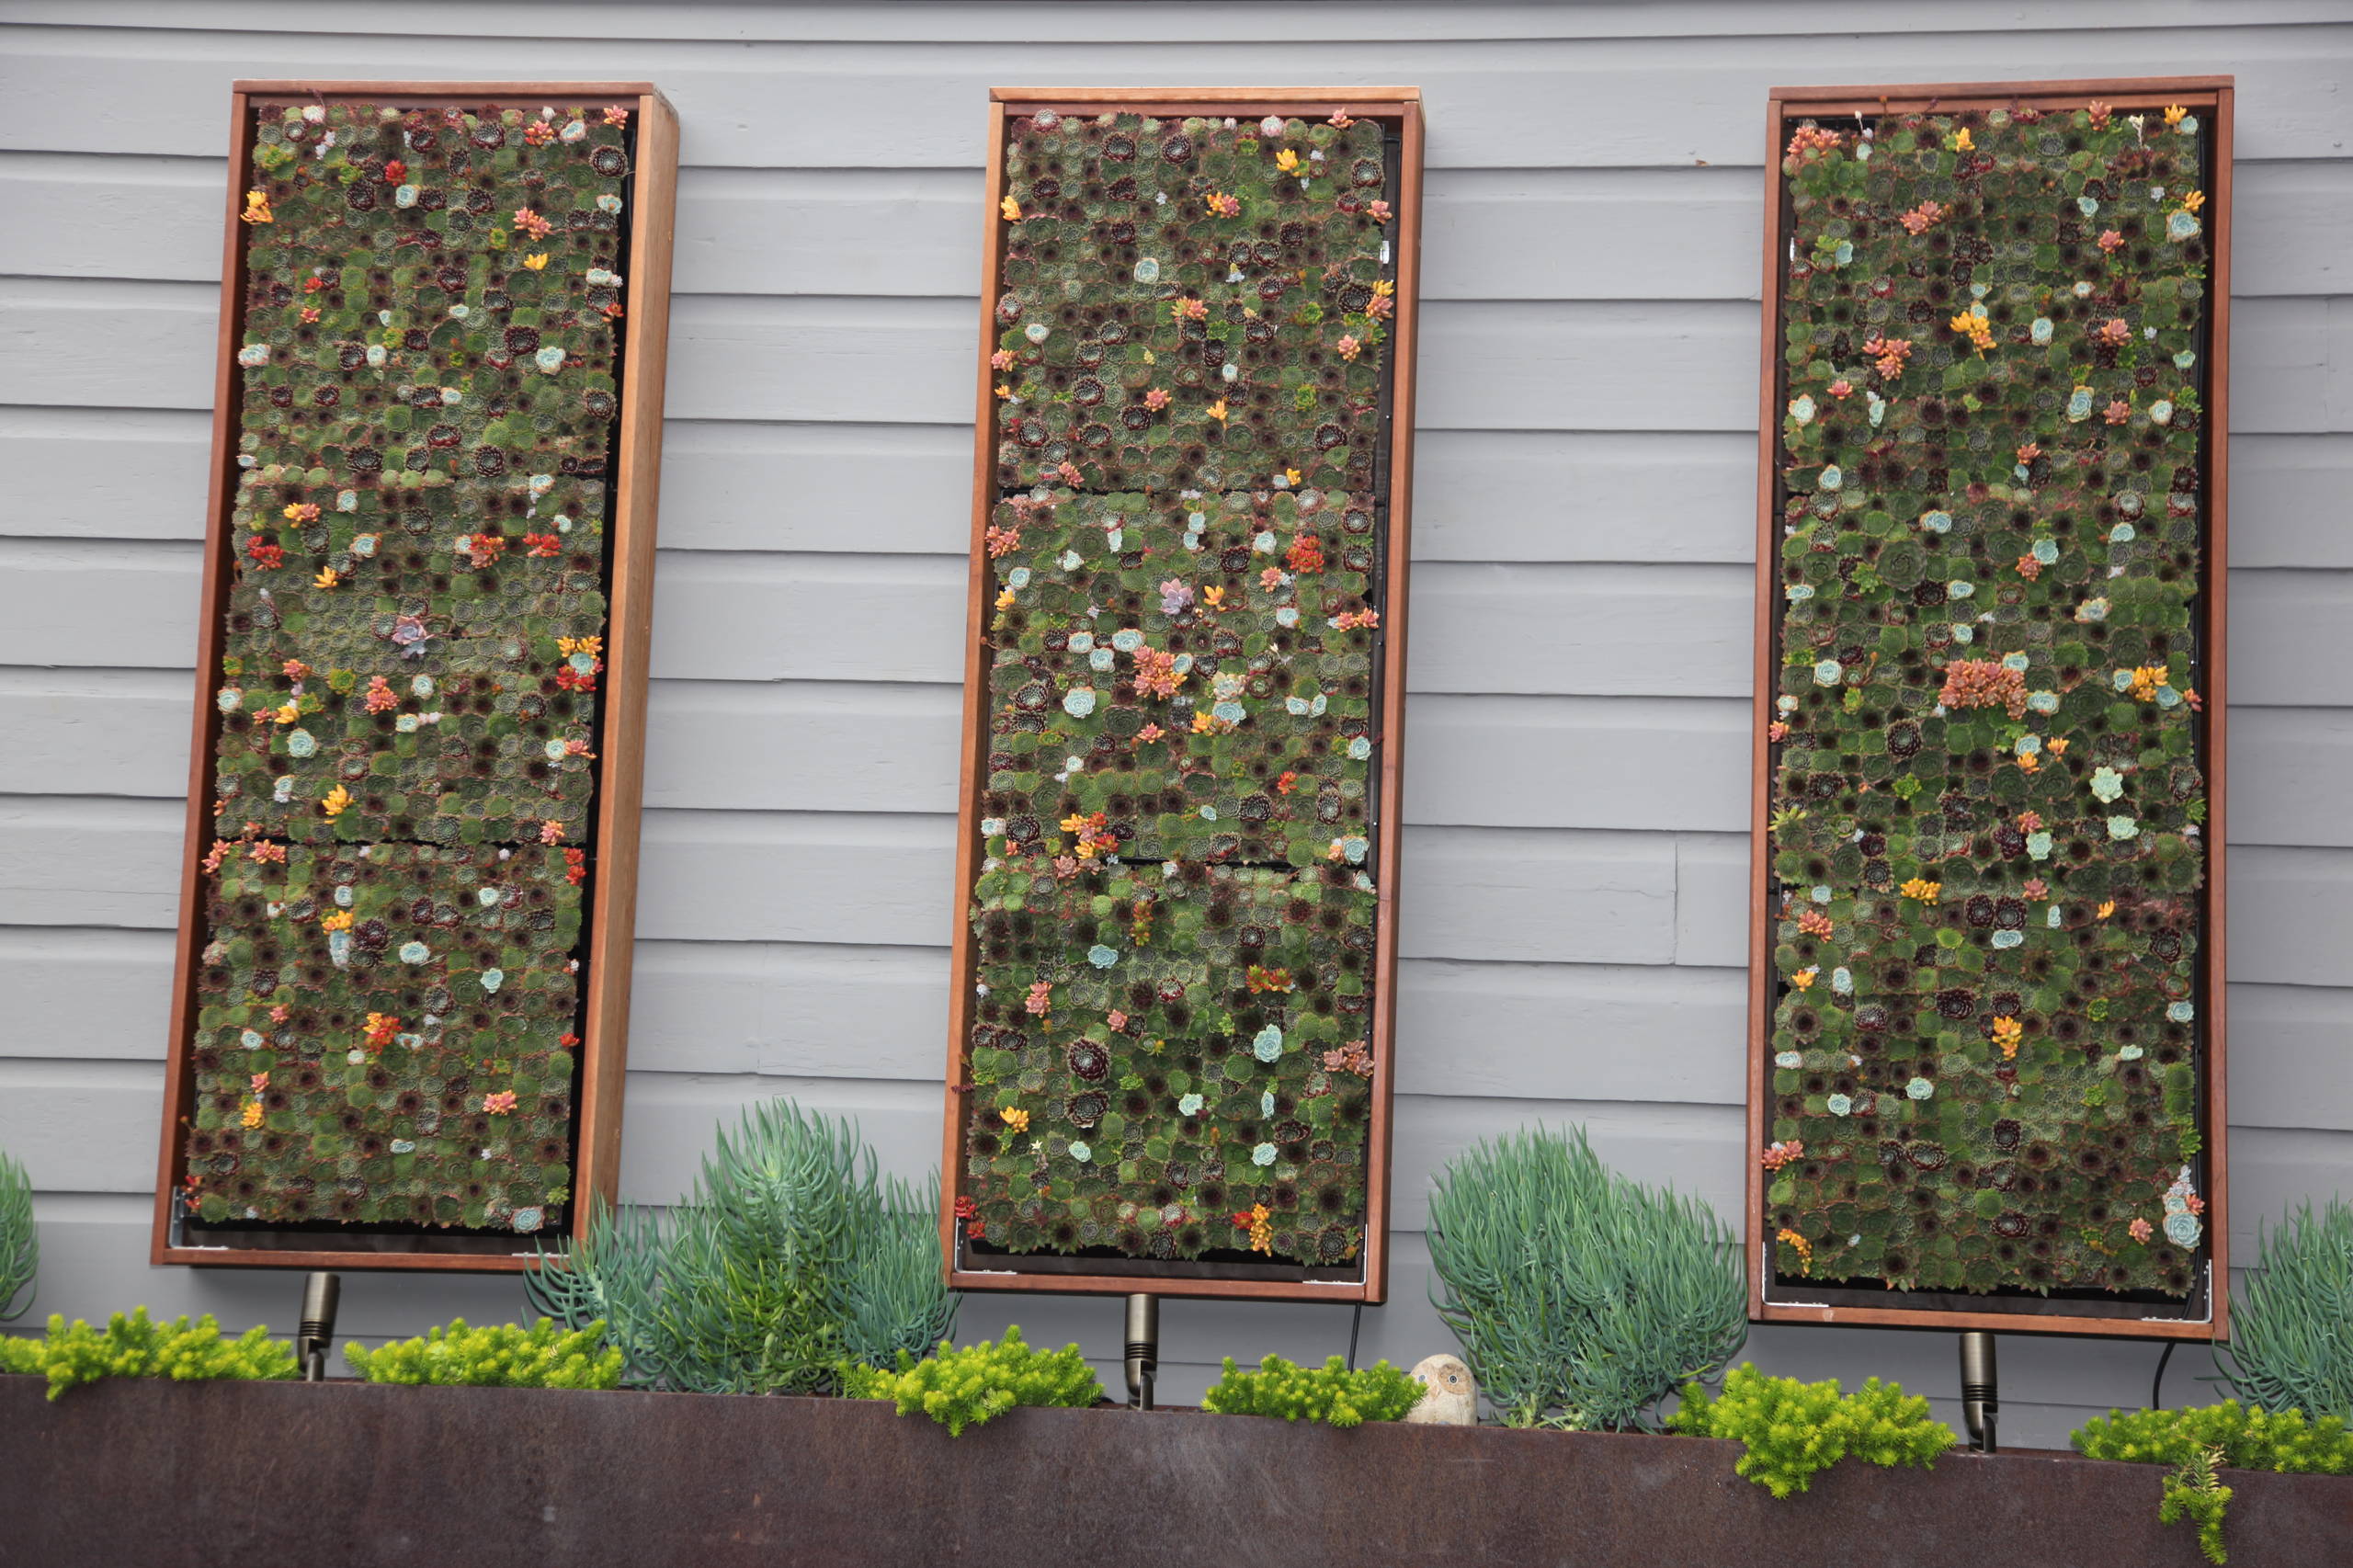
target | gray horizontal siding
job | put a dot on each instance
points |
(1576, 878)
(1495, 102)
(1490, 364)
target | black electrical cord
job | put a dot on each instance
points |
(2156, 1387)
(1356, 1322)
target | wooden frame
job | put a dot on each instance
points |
(612, 909)
(2211, 96)
(1403, 106)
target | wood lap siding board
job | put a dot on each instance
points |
(1575, 830)
(424, 978)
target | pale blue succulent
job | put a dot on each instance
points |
(2107, 783)
(1268, 1043)
(2183, 1229)
(1919, 1089)
(2008, 939)
(2123, 827)
(1264, 1155)
(1838, 1105)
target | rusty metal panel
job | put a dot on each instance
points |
(271, 1474)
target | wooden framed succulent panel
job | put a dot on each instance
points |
(404, 966)
(1169, 1061)
(1986, 1021)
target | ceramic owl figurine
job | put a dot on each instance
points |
(1448, 1397)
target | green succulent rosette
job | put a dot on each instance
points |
(1987, 786)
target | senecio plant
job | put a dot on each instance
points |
(1330, 1394)
(19, 1241)
(2198, 1442)
(980, 1382)
(1987, 744)
(138, 1346)
(791, 1256)
(2291, 1323)
(1793, 1430)
(541, 1356)
(1581, 1297)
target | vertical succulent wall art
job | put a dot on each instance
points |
(1987, 1046)
(1169, 1065)
(412, 820)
